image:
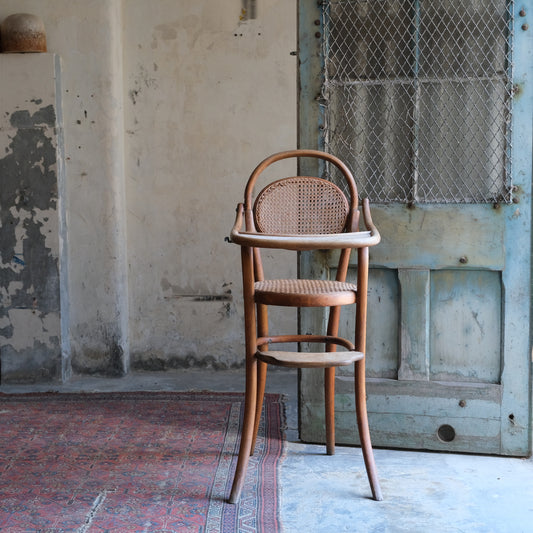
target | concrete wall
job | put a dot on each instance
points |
(167, 107)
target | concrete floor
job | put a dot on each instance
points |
(423, 492)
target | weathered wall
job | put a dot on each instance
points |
(168, 105)
(87, 37)
(207, 98)
(30, 144)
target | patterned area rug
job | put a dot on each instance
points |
(132, 462)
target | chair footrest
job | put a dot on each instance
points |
(309, 359)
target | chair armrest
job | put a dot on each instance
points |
(359, 239)
(368, 218)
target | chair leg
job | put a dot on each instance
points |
(247, 429)
(261, 382)
(329, 394)
(364, 432)
(262, 330)
(329, 383)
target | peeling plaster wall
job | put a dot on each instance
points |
(86, 35)
(30, 154)
(168, 105)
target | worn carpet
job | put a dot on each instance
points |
(131, 462)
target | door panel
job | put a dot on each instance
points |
(465, 326)
(383, 304)
(416, 98)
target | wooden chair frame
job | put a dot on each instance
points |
(258, 294)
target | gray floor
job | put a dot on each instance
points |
(423, 492)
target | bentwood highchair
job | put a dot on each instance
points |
(303, 213)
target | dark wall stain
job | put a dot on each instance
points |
(31, 365)
(104, 358)
(154, 362)
(105, 361)
(46, 116)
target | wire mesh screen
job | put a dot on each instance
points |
(417, 97)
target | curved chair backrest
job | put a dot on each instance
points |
(290, 205)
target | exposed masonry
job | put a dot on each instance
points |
(29, 268)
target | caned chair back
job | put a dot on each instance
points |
(301, 205)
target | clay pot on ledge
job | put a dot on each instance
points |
(22, 33)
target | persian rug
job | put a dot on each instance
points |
(132, 462)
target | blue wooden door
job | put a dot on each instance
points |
(429, 103)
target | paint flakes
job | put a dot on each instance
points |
(29, 268)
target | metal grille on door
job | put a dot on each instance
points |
(417, 97)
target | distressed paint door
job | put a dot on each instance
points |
(429, 103)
